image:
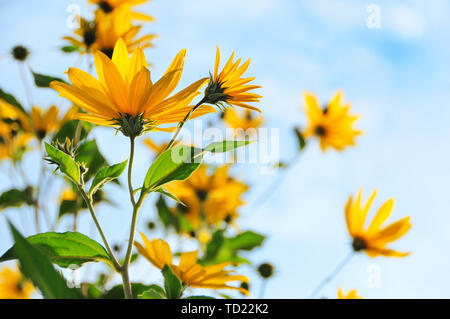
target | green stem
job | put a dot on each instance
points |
(90, 206)
(130, 168)
(181, 124)
(38, 190)
(333, 274)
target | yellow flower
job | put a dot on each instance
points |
(374, 238)
(47, 122)
(352, 294)
(228, 86)
(125, 97)
(68, 194)
(14, 114)
(13, 143)
(111, 6)
(157, 149)
(333, 125)
(188, 270)
(102, 33)
(242, 120)
(13, 285)
(210, 198)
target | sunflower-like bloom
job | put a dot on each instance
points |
(228, 87)
(333, 125)
(125, 97)
(46, 122)
(13, 285)
(13, 142)
(112, 6)
(352, 294)
(14, 115)
(242, 121)
(374, 238)
(102, 33)
(188, 270)
(209, 198)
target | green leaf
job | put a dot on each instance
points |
(36, 266)
(105, 175)
(16, 198)
(70, 48)
(224, 146)
(69, 128)
(172, 196)
(177, 163)
(245, 241)
(300, 139)
(43, 81)
(172, 283)
(166, 215)
(66, 164)
(10, 99)
(151, 294)
(213, 247)
(64, 249)
(138, 289)
(89, 153)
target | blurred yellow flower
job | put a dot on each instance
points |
(13, 143)
(14, 115)
(374, 238)
(111, 6)
(157, 149)
(13, 285)
(242, 120)
(68, 194)
(102, 33)
(228, 86)
(125, 97)
(333, 125)
(352, 294)
(210, 198)
(188, 270)
(47, 122)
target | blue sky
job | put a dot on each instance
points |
(396, 78)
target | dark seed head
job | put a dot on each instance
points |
(20, 53)
(108, 52)
(245, 285)
(265, 270)
(359, 244)
(228, 219)
(320, 130)
(116, 248)
(41, 134)
(151, 225)
(89, 37)
(192, 234)
(105, 6)
(201, 194)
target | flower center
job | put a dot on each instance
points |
(20, 53)
(201, 194)
(108, 52)
(41, 134)
(105, 6)
(359, 244)
(320, 130)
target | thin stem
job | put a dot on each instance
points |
(268, 192)
(25, 84)
(130, 168)
(38, 190)
(333, 274)
(181, 124)
(88, 201)
(126, 263)
(263, 289)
